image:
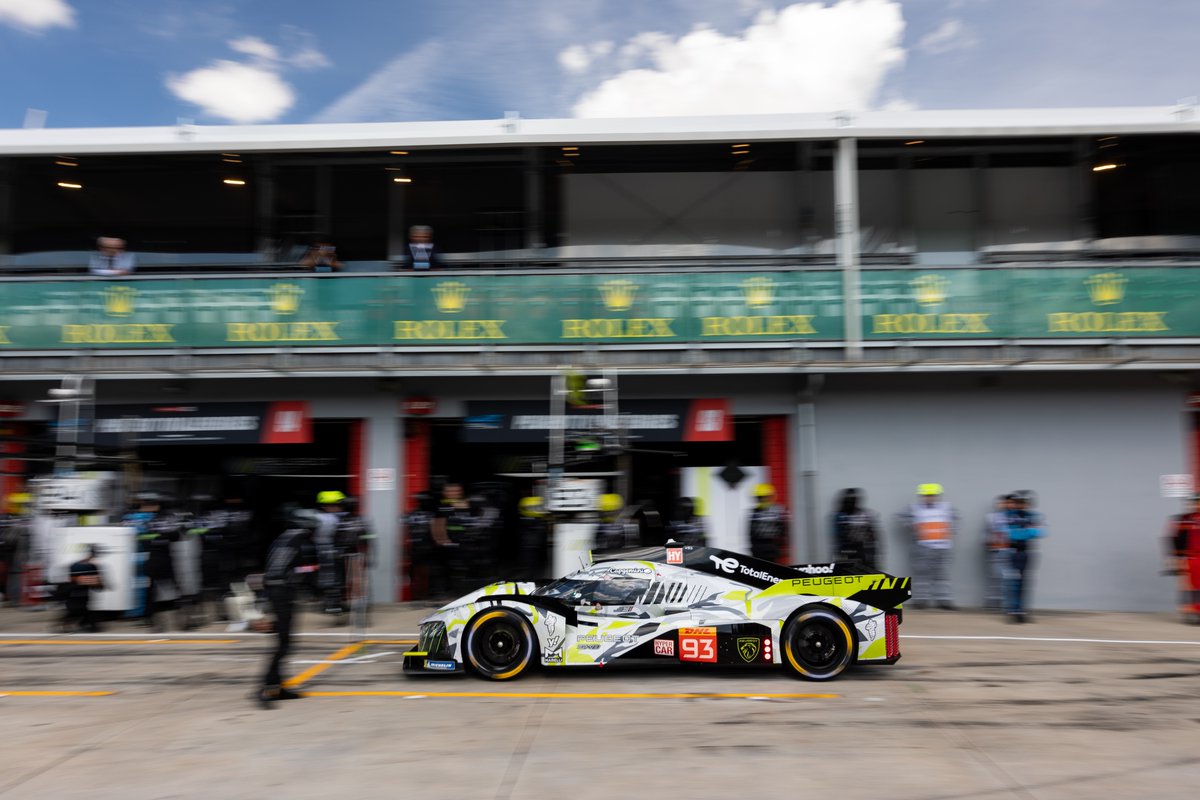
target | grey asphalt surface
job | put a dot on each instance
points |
(1077, 704)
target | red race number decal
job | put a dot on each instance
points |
(698, 644)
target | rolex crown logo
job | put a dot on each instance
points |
(930, 290)
(118, 300)
(285, 298)
(618, 295)
(1106, 288)
(759, 292)
(451, 296)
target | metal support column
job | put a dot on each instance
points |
(806, 546)
(535, 237)
(266, 235)
(383, 455)
(6, 205)
(397, 233)
(845, 200)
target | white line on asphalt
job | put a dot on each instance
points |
(360, 660)
(1048, 639)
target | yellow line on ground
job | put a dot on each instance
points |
(590, 695)
(6, 693)
(117, 641)
(317, 669)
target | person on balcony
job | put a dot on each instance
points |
(111, 259)
(321, 256)
(422, 253)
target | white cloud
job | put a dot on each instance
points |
(641, 45)
(951, 35)
(250, 92)
(255, 47)
(575, 58)
(240, 93)
(899, 104)
(300, 49)
(405, 88)
(35, 16)
(805, 57)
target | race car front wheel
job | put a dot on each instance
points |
(499, 644)
(818, 643)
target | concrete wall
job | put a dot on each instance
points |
(1093, 449)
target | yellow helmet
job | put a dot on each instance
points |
(764, 490)
(331, 498)
(18, 500)
(929, 489)
(611, 502)
(531, 506)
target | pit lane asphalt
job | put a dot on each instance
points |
(1076, 704)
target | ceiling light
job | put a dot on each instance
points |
(398, 152)
(1104, 167)
(234, 182)
(65, 185)
(230, 155)
(66, 163)
(232, 160)
(565, 148)
(740, 145)
(401, 180)
(916, 141)
(1107, 138)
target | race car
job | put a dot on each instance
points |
(695, 605)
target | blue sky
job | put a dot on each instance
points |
(152, 62)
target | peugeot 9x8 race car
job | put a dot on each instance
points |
(687, 604)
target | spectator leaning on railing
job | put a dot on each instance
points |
(422, 253)
(321, 257)
(111, 260)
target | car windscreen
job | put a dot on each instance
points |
(611, 590)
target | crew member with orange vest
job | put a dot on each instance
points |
(1184, 543)
(932, 522)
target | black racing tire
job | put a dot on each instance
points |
(499, 644)
(818, 643)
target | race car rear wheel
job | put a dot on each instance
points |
(499, 644)
(818, 643)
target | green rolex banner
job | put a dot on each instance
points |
(405, 310)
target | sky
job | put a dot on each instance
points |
(96, 63)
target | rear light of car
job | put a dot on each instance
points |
(891, 632)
